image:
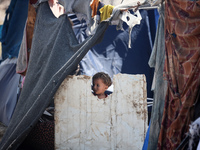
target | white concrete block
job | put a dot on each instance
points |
(84, 122)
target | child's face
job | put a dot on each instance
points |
(99, 87)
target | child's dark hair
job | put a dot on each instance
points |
(105, 77)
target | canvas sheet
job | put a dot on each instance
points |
(55, 53)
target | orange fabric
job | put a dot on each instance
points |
(30, 25)
(94, 7)
(182, 70)
(29, 33)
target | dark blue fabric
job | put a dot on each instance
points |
(113, 56)
(13, 28)
(9, 81)
(1, 27)
(153, 16)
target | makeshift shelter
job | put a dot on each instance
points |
(53, 77)
(19, 135)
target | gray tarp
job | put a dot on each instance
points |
(55, 54)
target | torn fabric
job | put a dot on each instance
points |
(54, 54)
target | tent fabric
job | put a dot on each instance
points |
(54, 54)
(182, 65)
(13, 27)
(9, 81)
(113, 56)
(159, 85)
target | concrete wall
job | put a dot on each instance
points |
(82, 121)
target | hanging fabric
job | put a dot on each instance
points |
(54, 54)
(182, 65)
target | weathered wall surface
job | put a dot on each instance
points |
(85, 122)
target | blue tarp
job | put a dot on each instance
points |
(13, 28)
(113, 56)
(145, 145)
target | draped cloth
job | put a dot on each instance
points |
(182, 70)
(159, 85)
(55, 53)
(13, 27)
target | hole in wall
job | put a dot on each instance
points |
(101, 85)
(108, 92)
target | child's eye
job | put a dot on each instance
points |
(97, 85)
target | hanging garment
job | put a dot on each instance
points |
(159, 85)
(24, 52)
(9, 81)
(113, 56)
(54, 54)
(182, 70)
(13, 28)
(94, 7)
(81, 8)
(105, 12)
(131, 21)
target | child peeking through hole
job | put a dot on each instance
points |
(100, 83)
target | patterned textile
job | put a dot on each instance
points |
(182, 70)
